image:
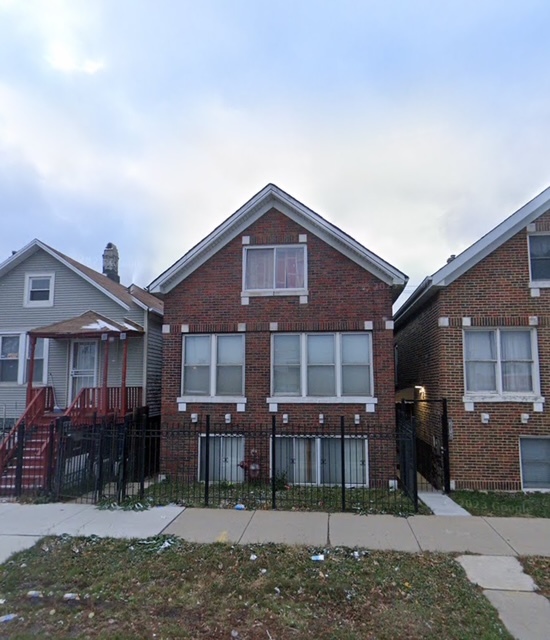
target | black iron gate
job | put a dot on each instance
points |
(430, 421)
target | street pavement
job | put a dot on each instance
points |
(488, 546)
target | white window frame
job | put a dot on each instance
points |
(212, 396)
(535, 284)
(317, 440)
(44, 380)
(21, 358)
(302, 398)
(524, 488)
(302, 291)
(499, 395)
(238, 476)
(27, 302)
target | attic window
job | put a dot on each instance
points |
(539, 254)
(39, 290)
(277, 269)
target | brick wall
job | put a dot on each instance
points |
(493, 293)
(342, 296)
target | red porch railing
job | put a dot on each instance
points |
(91, 400)
(41, 402)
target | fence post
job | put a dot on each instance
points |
(99, 478)
(144, 420)
(19, 467)
(49, 477)
(343, 460)
(207, 463)
(414, 463)
(445, 442)
(122, 470)
(273, 462)
(60, 457)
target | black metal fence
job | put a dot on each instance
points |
(333, 467)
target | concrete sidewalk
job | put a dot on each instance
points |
(494, 541)
(22, 525)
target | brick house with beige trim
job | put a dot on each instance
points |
(477, 332)
(279, 312)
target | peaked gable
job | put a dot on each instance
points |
(113, 290)
(273, 197)
(475, 253)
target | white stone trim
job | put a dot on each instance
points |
(246, 239)
(165, 328)
(466, 322)
(185, 328)
(389, 325)
(241, 326)
(443, 321)
(212, 399)
(369, 325)
(273, 326)
(322, 400)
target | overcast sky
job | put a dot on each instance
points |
(415, 126)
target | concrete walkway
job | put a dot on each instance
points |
(495, 541)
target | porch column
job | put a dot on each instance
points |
(123, 403)
(104, 406)
(32, 347)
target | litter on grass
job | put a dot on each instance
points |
(8, 617)
(319, 557)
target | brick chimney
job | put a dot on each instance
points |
(110, 262)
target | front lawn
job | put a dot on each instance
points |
(538, 567)
(167, 588)
(494, 503)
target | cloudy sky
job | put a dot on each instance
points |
(416, 126)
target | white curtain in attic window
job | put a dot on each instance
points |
(480, 357)
(290, 268)
(516, 361)
(259, 269)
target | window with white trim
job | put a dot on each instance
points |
(39, 289)
(9, 358)
(213, 365)
(539, 257)
(40, 369)
(535, 463)
(311, 460)
(322, 365)
(500, 361)
(274, 269)
(226, 453)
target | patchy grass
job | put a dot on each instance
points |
(538, 567)
(226, 495)
(494, 503)
(167, 588)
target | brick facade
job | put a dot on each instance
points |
(493, 293)
(342, 296)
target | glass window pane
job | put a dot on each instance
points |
(355, 349)
(286, 349)
(259, 269)
(516, 376)
(539, 249)
(284, 459)
(230, 349)
(480, 345)
(355, 464)
(229, 381)
(321, 381)
(40, 283)
(8, 370)
(225, 455)
(320, 349)
(196, 380)
(480, 376)
(356, 380)
(10, 347)
(289, 269)
(515, 345)
(535, 463)
(305, 461)
(286, 380)
(197, 350)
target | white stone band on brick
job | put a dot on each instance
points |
(443, 321)
(369, 325)
(185, 328)
(165, 328)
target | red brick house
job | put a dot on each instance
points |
(477, 332)
(279, 312)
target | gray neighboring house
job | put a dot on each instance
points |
(88, 343)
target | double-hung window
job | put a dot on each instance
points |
(39, 290)
(539, 257)
(500, 361)
(271, 270)
(9, 358)
(213, 365)
(328, 365)
(40, 351)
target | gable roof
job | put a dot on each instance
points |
(89, 324)
(119, 293)
(271, 196)
(475, 253)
